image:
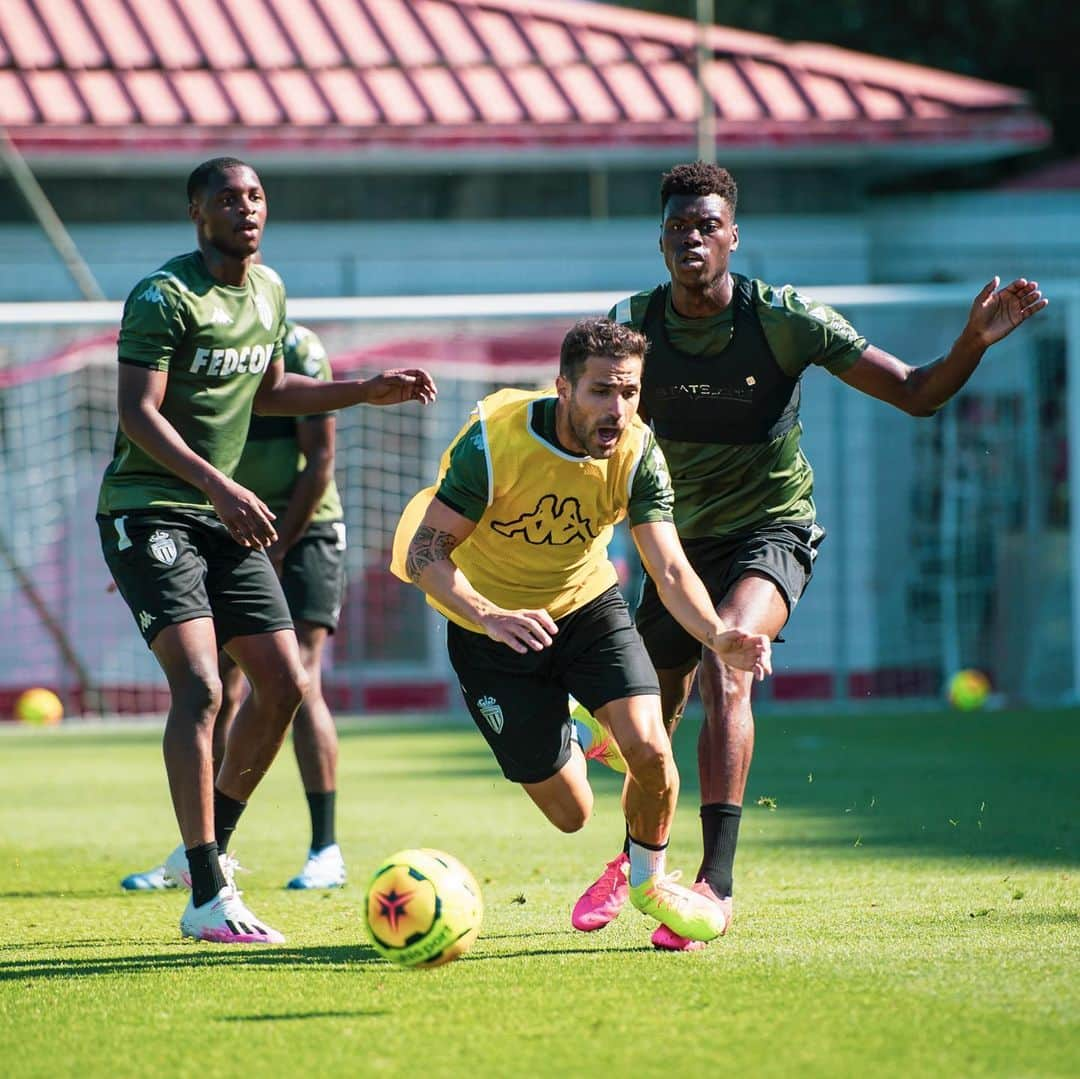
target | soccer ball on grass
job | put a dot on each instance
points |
(967, 690)
(39, 707)
(423, 908)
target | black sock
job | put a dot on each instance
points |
(719, 836)
(226, 813)
(206, 876)
(321, 807)
(626, 842)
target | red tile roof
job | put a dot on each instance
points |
(458, 75)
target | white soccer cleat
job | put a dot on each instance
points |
(178, 871)
(150, 880)
(323, 869)
(226, 920)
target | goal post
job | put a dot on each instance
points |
(950, 540)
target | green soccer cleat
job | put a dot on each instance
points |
(682, 910)
(595, 739)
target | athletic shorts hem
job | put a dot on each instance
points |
(651, 690)
(521, 777)
(272, 627)
(178, 621)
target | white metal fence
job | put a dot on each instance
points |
(949, 540)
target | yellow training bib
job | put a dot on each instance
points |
(542, 541)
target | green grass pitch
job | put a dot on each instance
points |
(906, 905)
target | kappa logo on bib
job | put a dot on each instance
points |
(162, 547)
(551, 522)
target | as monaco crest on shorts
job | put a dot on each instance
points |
(162, 547)
(490, 710)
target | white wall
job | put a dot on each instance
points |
(424, 258)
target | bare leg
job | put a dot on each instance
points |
(675, 687)
(315, 740)
(233, 688)
(271, 662)
(652, 781)
(726, 743)
(188, 655)
(566, 799)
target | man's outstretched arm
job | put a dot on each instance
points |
(921, 391)
(282, 394)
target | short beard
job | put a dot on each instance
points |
(233, 254)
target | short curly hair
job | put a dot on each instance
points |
(699, 178)
(598, 337)
(202, 174)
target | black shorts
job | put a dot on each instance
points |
(519, 702)
(313, 574)
(784, 552)
(172, 566)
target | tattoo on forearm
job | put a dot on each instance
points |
(428, 545)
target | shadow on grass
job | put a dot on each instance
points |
(189, 956)
(358, 1013)
(66, 893)
(993, 784)
(197, 956)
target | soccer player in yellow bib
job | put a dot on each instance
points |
(511, 546)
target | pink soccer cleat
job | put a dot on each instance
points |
(602, 901)
(666, 940)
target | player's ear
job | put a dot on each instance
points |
(734, 236)
(193, 212)
(562, 387)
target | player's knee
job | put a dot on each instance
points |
(295, 688)
(652, 766)
(282, 689)
(199, 697)
(570, 818)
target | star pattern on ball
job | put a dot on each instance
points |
(392, 906)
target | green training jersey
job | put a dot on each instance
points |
(465, 486)
(727, 488)
(272, 459)
(215, 342)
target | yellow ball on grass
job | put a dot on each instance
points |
(967, 690)
(39, 707)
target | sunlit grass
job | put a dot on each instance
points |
(906, 893)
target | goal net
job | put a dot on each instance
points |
(949, 541)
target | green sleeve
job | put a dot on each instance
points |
(306, 355)
(652, 498)
(465, 486)
(153, 323)
(802, 331)
(630, 311)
